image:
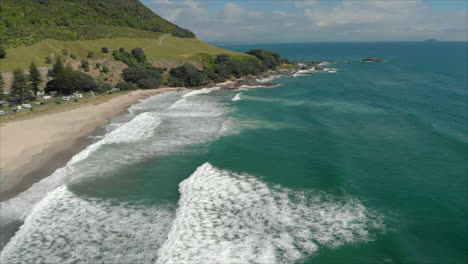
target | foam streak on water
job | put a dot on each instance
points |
(65, 228)
(225, 217)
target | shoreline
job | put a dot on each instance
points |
(58, 136)
(32, 149)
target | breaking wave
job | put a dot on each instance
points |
(225, 217)
(237, 97)
(202, 91)
(65, 228)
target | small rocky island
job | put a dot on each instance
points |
(370, 59)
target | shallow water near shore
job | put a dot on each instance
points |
(365, 165)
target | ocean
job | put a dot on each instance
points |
(365, 165)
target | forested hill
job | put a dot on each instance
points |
(25, 22)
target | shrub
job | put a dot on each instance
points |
(64, 52)
(104, 87)
(222, 59)
(105, 69)
(223, 71)
(124, 86)
(105, 50)
(139, 54)
(48, 60)
(73, 56)
(85, 65)
(98, 65)
(90, 55)
(2, 52)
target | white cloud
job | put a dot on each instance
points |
(232, 12)
(314, 20)
(303, 4)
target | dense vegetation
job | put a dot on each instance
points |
(66, 81)
(139, 72)
(224, 67)
(28, 21)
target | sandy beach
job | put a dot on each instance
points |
(33, 148)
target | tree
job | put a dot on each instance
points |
(57, 69)
(98, 65)
(48, 60)
(86, 82)
(105, 50)
(2, 52)
(20, 89)
(64, 82)
(35, 78)
(105, 69)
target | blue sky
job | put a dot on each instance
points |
(316, 20)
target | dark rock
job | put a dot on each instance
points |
(369, 59)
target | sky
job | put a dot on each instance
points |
(277, 21)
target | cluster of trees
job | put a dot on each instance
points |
(67, 81)
(140, 73)
(224, 68)
(24, 87)
(269, 59)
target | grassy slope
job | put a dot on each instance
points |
(170, 48)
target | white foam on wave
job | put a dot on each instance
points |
(304, 72)
(249, 87)
(236, 97)
(65, 228)
(269, 78)
(225, 217)
(202, 91)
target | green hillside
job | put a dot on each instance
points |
(25, 22)
(156, 46)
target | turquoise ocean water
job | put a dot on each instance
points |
(365, 165)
